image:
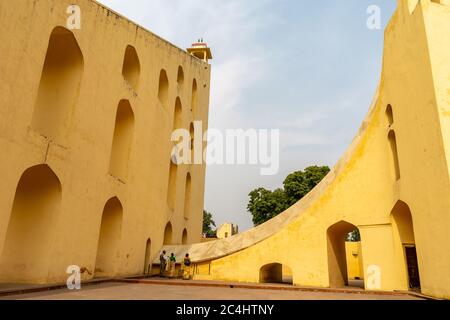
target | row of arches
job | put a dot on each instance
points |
(168, 235)
(173, 168)
(172, 191)
(26, 255)
(60, 83)
(58, 93)
(406, 258)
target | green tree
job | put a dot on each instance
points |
(265, 204)
(208, 223)
(354, 236)
(300, 183)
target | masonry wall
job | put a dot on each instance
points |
(86, 109)
(392, 183)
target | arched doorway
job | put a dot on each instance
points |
(405, 246)
(337, 237)
(148, 253)
(109, 239)
(275, 273)
(26, 254)
(168, 234)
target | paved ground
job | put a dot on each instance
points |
(125, 291)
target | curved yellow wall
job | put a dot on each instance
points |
(392, 183)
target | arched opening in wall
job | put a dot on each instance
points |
(172, 188)
(176, 154)
(109, 239)
(390, 115)
(394, 151)
(405, 245)
(26, 253)
(59, 86)
(163, 89)
(180, 76)
(187, 197)
(168, 234)
(178, 115)
(337, 237)
(275, 273)
(122, 140)
(184, 238)
(148, 253)
(194, 100)
(192, 142)
(131, 69)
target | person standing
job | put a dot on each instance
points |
(187, 267)
(172, 263)
(162, 263)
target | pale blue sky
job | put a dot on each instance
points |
(308, 68)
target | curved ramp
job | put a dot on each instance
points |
(201, 252)
(392, 183)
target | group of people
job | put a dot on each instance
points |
(168, 265)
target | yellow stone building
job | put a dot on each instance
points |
(393, 183)
(87, 179)
(86, 117)
(354, 261)
(227, 230)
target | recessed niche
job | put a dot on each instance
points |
(168, 234)
(31, 227)
(163, 89)
(122, 140)
(180, 76)
(109, 239)
(131, 69)
(187, 197)
(172, 187)
(390, 115)
(184, 238)
(59, 86)
(393, 144)
(194, 99)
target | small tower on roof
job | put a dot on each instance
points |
(200, 50)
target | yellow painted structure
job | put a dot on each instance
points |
(392, 183)
(227, 230)
(86, 117)
(354, 260)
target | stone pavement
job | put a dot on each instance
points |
(160, 289)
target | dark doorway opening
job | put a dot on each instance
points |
(413, 267)
(275, 273)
